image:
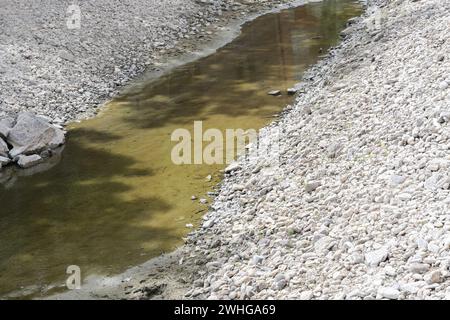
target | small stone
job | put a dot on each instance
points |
(4, 150)
(238, 187)
(443, 85)
(274, 93)
(374, 258)
(419, 267)
(433, 165)
(28, 161)
(404, 196)
(4, 161)
(421, 243)
(203, 201)
(311, 186)
(193, 198)
(233, 167)
(433, 277)
(4, 130)
(390, 271)
(198, 283)
(281, 284)
(306, 110)
(333, 150)
(292, 91)
(208, 224)
(324, 244)
(189, 225)
(433, 248)
(389, 293)
(396, 179)
(257, 260)
(411, 287)
(306, 295)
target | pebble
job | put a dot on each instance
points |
(374, 258)
(389, 293)
(274, 93)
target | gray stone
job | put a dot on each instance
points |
(3, 131)
(433, 277)
(405, 196)
(311, 186)
(208, 223)
(292, 91)
(374, 258)
(396, 179)
(281, 284)
(233, 167)
(257, 260)
(333, 150)
(274, 93)
(4, 161)
(5, 126)
(443, 85)
(324, 244)
(28, 161)
(306, 110)
(4, 150)
(435, 182)
(419, 267)
(32, 134)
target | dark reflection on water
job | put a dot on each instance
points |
(115, 199)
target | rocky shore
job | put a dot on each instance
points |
(28, 140)
(64, 62)
(60, 67)
(355, 204)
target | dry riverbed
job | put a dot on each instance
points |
(355, 204)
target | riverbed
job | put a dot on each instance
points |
(115, 199)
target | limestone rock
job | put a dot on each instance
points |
(32, 134)
(28, 161)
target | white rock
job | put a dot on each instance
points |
(419, 267)
(274, 93)
(233, 167)
(29, 161)
(374, 258)
(389, 293)
(306, 295)
(405, 196)
(433, 277)
(396, 179)
(311, 186)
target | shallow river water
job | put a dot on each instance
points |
(115, 199)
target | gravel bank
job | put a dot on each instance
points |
(355, 204)
(67, 73)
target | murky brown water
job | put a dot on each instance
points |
(115, 199)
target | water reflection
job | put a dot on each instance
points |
(115, 199)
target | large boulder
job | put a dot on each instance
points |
(32, 135)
